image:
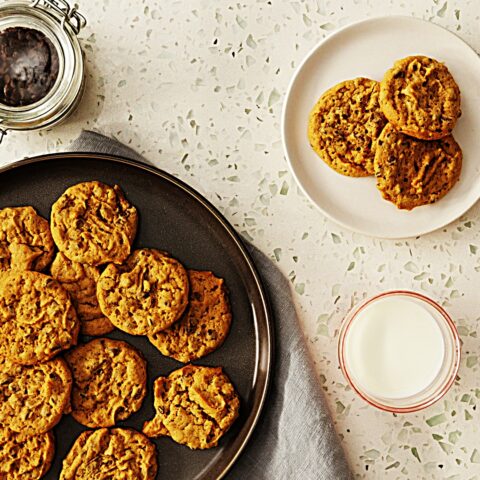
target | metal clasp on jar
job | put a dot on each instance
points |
(3, 131)
(69, 15)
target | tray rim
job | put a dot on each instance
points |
(269, 356)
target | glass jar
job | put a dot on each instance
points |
(60, 24)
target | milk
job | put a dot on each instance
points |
(394, 348)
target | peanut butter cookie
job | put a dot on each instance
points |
(412, 172)
(37, 318)
(25, 240)
(26, 459)
(80, 281)
(146, 294)
(113, 454)
(33, 398)
(93, 223)
(194, 405)
(109, 382)
(420, 98)
(344, 125)
(204, 326)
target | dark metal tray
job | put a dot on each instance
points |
(175, 218)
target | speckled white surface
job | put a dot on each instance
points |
(197, 87)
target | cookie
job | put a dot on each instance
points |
(412, 172)
(25, 240)
(26, 459)
(37, 318)
(146, 294)
(33, 398)
(420, 98)
(116, 454)
(194, 405)
(205, 324)
(80, 281)
(344, 125)
(109, 381)
(93, 223)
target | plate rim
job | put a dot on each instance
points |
(283, 129)
(262, 291)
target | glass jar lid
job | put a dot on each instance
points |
(41, 63)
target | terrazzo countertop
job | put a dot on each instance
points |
(197, 87)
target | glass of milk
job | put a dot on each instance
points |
(400, 351)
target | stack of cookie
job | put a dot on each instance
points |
(398, 129)
(97, 283)
(37, 321)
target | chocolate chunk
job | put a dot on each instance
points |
(28, 66)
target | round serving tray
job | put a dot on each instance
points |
(174, 218)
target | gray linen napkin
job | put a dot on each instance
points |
(295, 438)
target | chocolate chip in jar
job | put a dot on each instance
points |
(42, 67)
(29, 66)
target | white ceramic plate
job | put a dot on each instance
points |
(368, 49)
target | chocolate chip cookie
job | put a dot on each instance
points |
(194, 405)
(109, 381)
(33, 398)
(93, 223)
(26, 458)
(116, 454)
(344, 126)
(80, 281)
(420, 97)
(25, 240)
(37, 318)
(412, 172)
(205, 324)
(146, 294)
